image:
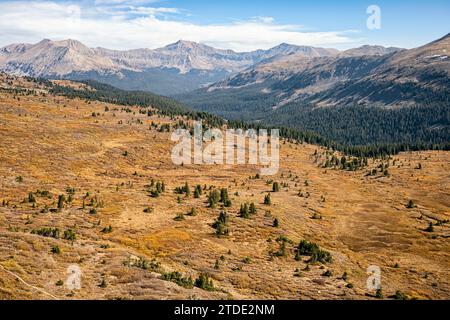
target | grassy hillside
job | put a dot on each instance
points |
(91, 183)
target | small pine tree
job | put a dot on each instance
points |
(410, 204)
(267, 200)
(275, 187)
(379, 294)
(55, 250)
(69, 235)
(213, 198)
(244, 211)
(187, 190)
(221, 224)
(159, 187)
(400, 295)
(192, 212)
(276, 223)
(327, 273)
(107, 229)
(61, 200)
(197, 193)
(179, 217)
(252, 208)
(223, 195)
(31, 198)
(204, 282)
(103, 284)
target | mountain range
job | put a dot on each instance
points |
(177, 68)
(369, 75)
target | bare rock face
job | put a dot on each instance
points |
(369, 51)
(58, 58)
(174, 69)
(52, 58)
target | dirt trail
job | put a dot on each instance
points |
(29, 285)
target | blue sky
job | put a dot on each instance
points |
(239, 25)
(404, 23)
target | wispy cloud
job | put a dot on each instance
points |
(126, 24)
(131, 2)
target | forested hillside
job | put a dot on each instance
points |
(398, 98)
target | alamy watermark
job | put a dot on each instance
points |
(231, 147)
(374, 279)
(73, 281)
(374, 20)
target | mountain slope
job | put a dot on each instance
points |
(405, 78)
(176, 68)
(368, 50)
(362, 76)
(347, 91)
(52, 58)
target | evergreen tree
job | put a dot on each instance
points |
(197, 193)
(31, 198)
(192, 212)
(252, 208)
(61, 200)
(275, 187)
(410, 204)
(204, 282)
(187, 190)
(267, 200)
(221, 224)
(224, 195)
(276, 223)
(213, 198)
(244, 211)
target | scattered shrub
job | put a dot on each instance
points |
(204, 282)
(267, 200)
(107, 229)
(178, 278)
(276, 223)
(47, 232)
(69, 235)
(55, 250)
(410, 204)
(399, 295)
(61, 200)
(192, 212)
(179, 217)
(221, 224)
(379, 294)
(275, 187)
(306, 248)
